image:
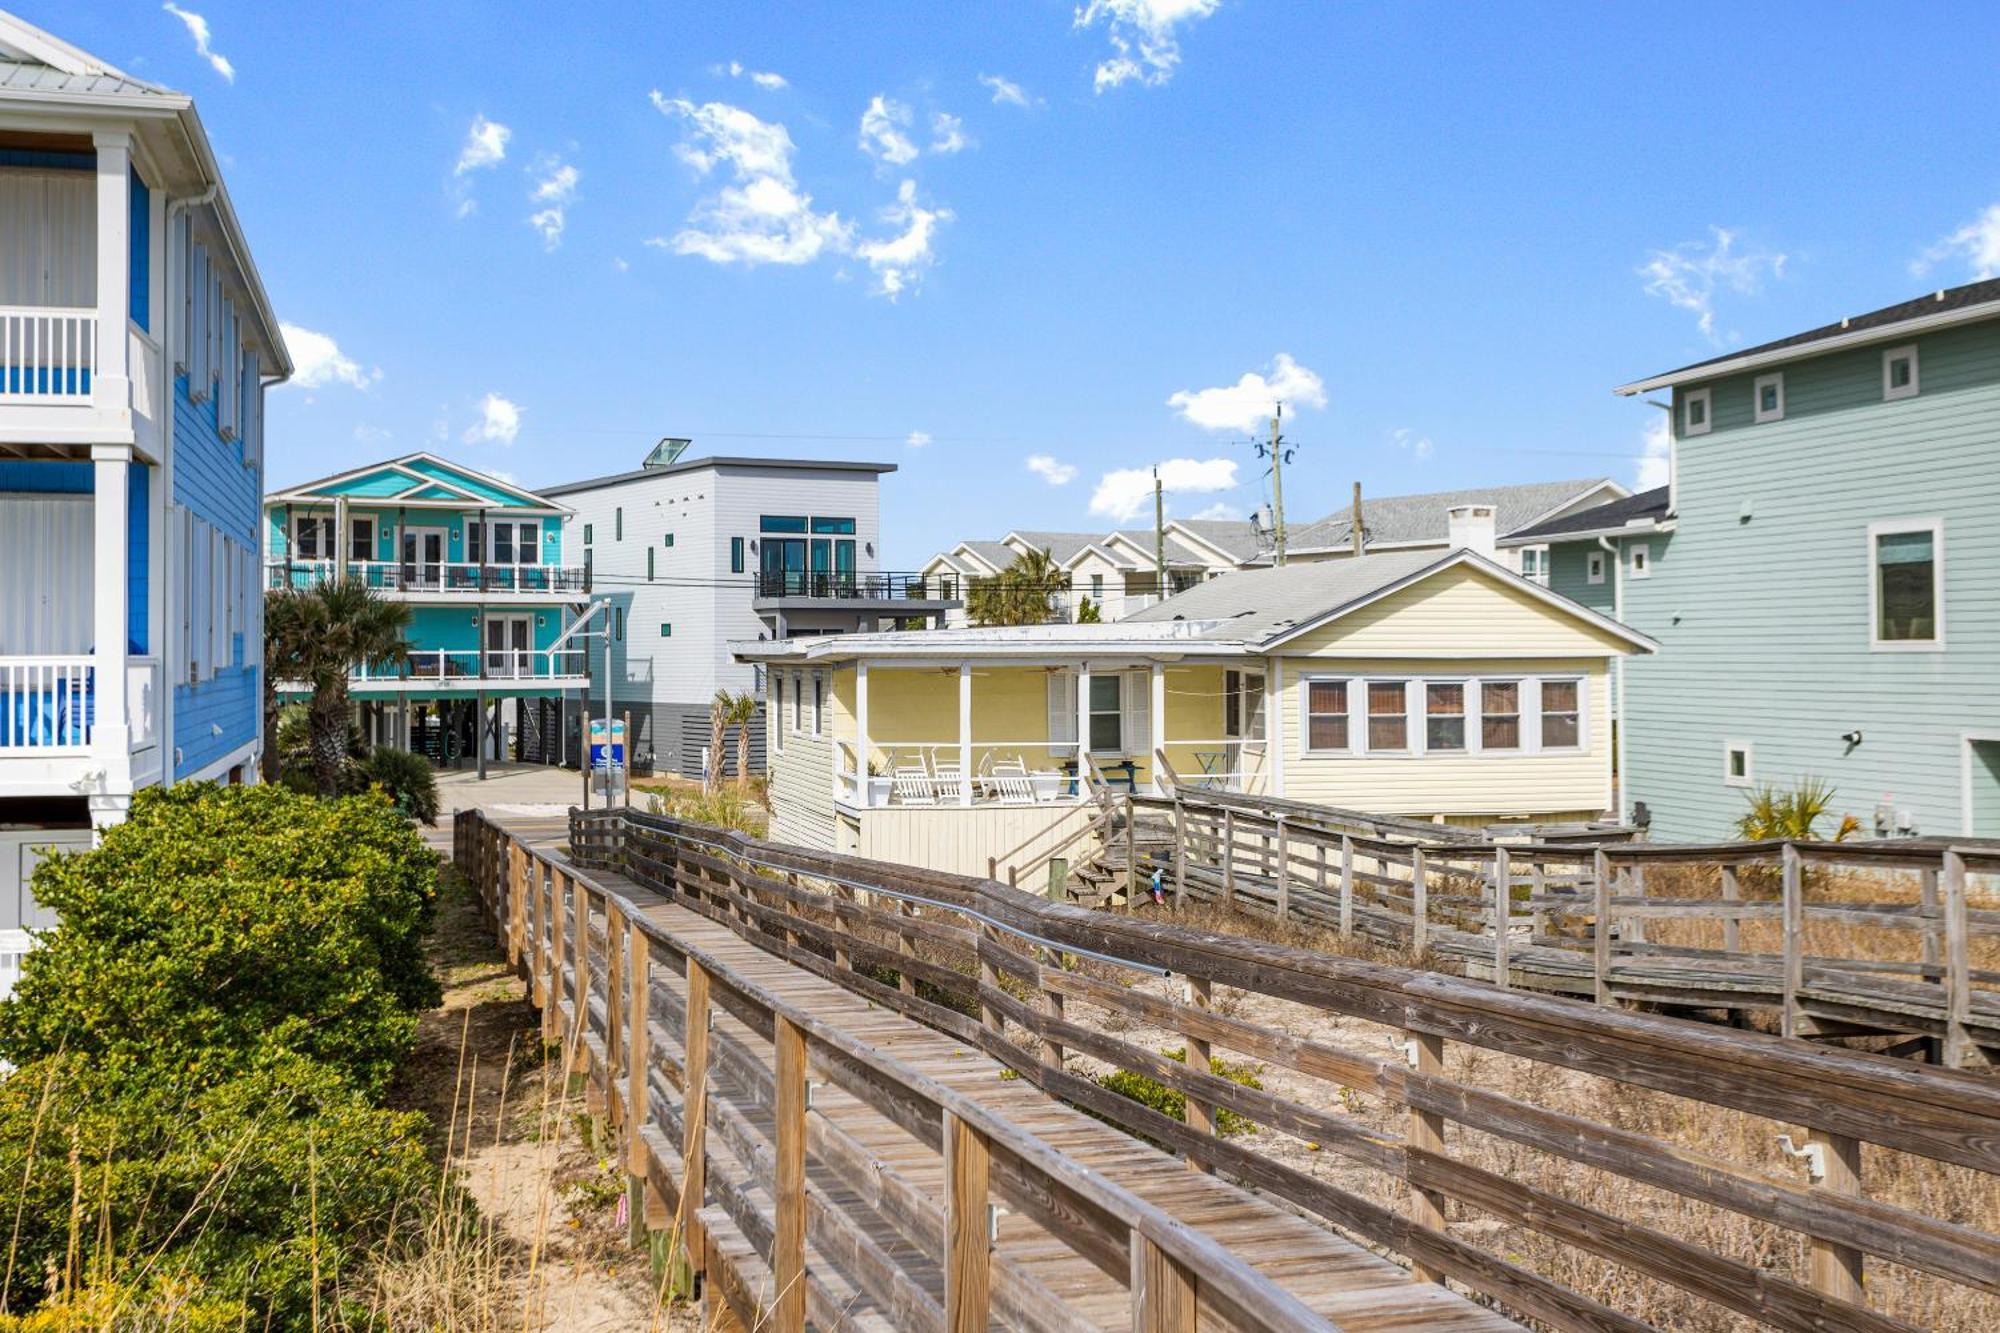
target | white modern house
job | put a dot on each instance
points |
(136, 342)
(694, 553)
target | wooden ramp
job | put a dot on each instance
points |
(871, 1260)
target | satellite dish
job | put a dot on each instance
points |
(667, 452)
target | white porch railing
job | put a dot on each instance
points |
(471, 667)
(46, 704)
(426, 577)
(47, 354)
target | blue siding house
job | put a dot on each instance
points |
(1820, 574)
(136, 343)
(479, 562)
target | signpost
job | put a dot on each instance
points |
(607, 757)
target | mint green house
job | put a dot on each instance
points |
(478, 561)
(1820, 573)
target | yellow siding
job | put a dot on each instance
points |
(1541, 785)
(1462, 612)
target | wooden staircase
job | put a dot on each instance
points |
(1144, 838)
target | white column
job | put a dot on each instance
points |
(339, 552)
(965, 733)
(1159, 727)
(1274, 723)
(1082, 727)
(861, 729)
(111, 734)
(111, 381)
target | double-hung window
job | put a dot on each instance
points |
(361, 538)
(503, 543)
(1906, 589)
(1326, 715)
(1499, 715)
(1388, 715)
(1562, 716)
(1444, 717)
(1107, 715)
(527, 550)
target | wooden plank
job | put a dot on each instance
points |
(1424, 1132)
(1601, 929)
(694, 1104)
(968, 1237)
(1163, 1290)
(1836, 1270)
(1346, 886)
(1503, 912)
(1419, 904)
(1958, 1048)
(1732, 928)
(1199, 1114)
(1793, 888)
(788, 1187)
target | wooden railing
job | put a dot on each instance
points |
(1584, 1166)
(1817, 933)
(595, 968)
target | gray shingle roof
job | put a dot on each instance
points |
(1060, 545)
(1255, 604)
(997, 554)
(1235, 536)
(1427, 518)
(1643, 509)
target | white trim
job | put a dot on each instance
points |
(1758, 412)
(1307, 679)
(1966, 739)
(1688, 426)
(1412, 718)
(1639, 560)
(1528, 706)
(1886, 527)
(1749, 778)
(308, 490)
(1593, 566)
(1891, 355)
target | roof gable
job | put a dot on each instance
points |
(419, 477)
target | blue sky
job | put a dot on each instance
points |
(1445, 231)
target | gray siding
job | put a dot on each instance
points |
(1760, 597)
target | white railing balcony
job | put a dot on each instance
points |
(47, 704)
(48, 354)
(452, 578)
(471, 668)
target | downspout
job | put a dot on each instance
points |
(1615, 551)
(171, 672)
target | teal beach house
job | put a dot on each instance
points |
(1820, 573)
(492, 647)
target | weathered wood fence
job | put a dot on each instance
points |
(1463, 1151)
(1578, 918)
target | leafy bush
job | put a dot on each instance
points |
(725, 807)
(408, 779)
(227, 1199)
(222, 927)
(1172, 1103)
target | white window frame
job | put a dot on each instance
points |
(1892, 527)
(1749, 778)
(1639, 560)
(776, 711)
(1413, 714)
(355, 522)
(1892, 355)
(1466, 713)
(1593, 566)
(1706, 397)
(1538, 558)
(1306, 747)
(1774, 380)
(1582, 684)
(819, 703)
(798, 701)
(1475, 711)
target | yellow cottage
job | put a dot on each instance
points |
(1415, 683)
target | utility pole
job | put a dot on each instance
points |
(1278, 482)
(1159, 534)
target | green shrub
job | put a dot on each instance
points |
(225, 1199)
(409, 780)
(725, 807)
(1172, 1103)
(220, 928)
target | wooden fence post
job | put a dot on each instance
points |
(614, 1006)
(517, 892)
(989, 981)
(1957, 967)
(1052, 1005)
(1836, 1270)
(1131, 853)
(1795, 927)
(1600, 932)
(1163, 1290)
(788, 1243)
(1229, 859)
(638, 1060)
(580, 1024)
(1420, 904)
(906, 944)
(968, 1273)
(1198, 1114)
(1180, 849)
(1503, 912)
(694, 1121)
(558, 949)
(1284, 874)
(1425, 1133)
(1346, 886)
(1732, 927)
(1635, 876)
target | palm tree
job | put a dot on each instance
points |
(282, 637)
(718, 729)
(317, 636)
(1024, 593)
(742, 712)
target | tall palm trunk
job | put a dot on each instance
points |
(327, 724)
(742, 754)
(718, 727)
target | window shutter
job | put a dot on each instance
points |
(1062, 711)
(1135, 690)
(218, 600)
(185, 582)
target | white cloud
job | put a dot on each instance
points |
(761, 216)
(1416, 446)
(1221, 512)
(1144, 42)
(618, 262)
(899, 260)
(948, 134)
(1122, 494)
(317, 361)
(1053, 472)
(1977, 243)
(485, 145)
(1246, 404)
(1006, 91)
(555, 189)
(918, 439)
(197, 27)
(883, 123)
(763, 78)
(1654, 455)
(1689, 276)
(366, 434)
(499, 422)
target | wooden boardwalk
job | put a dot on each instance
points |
(1352, 1287)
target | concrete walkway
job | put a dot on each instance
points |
(510, 789)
